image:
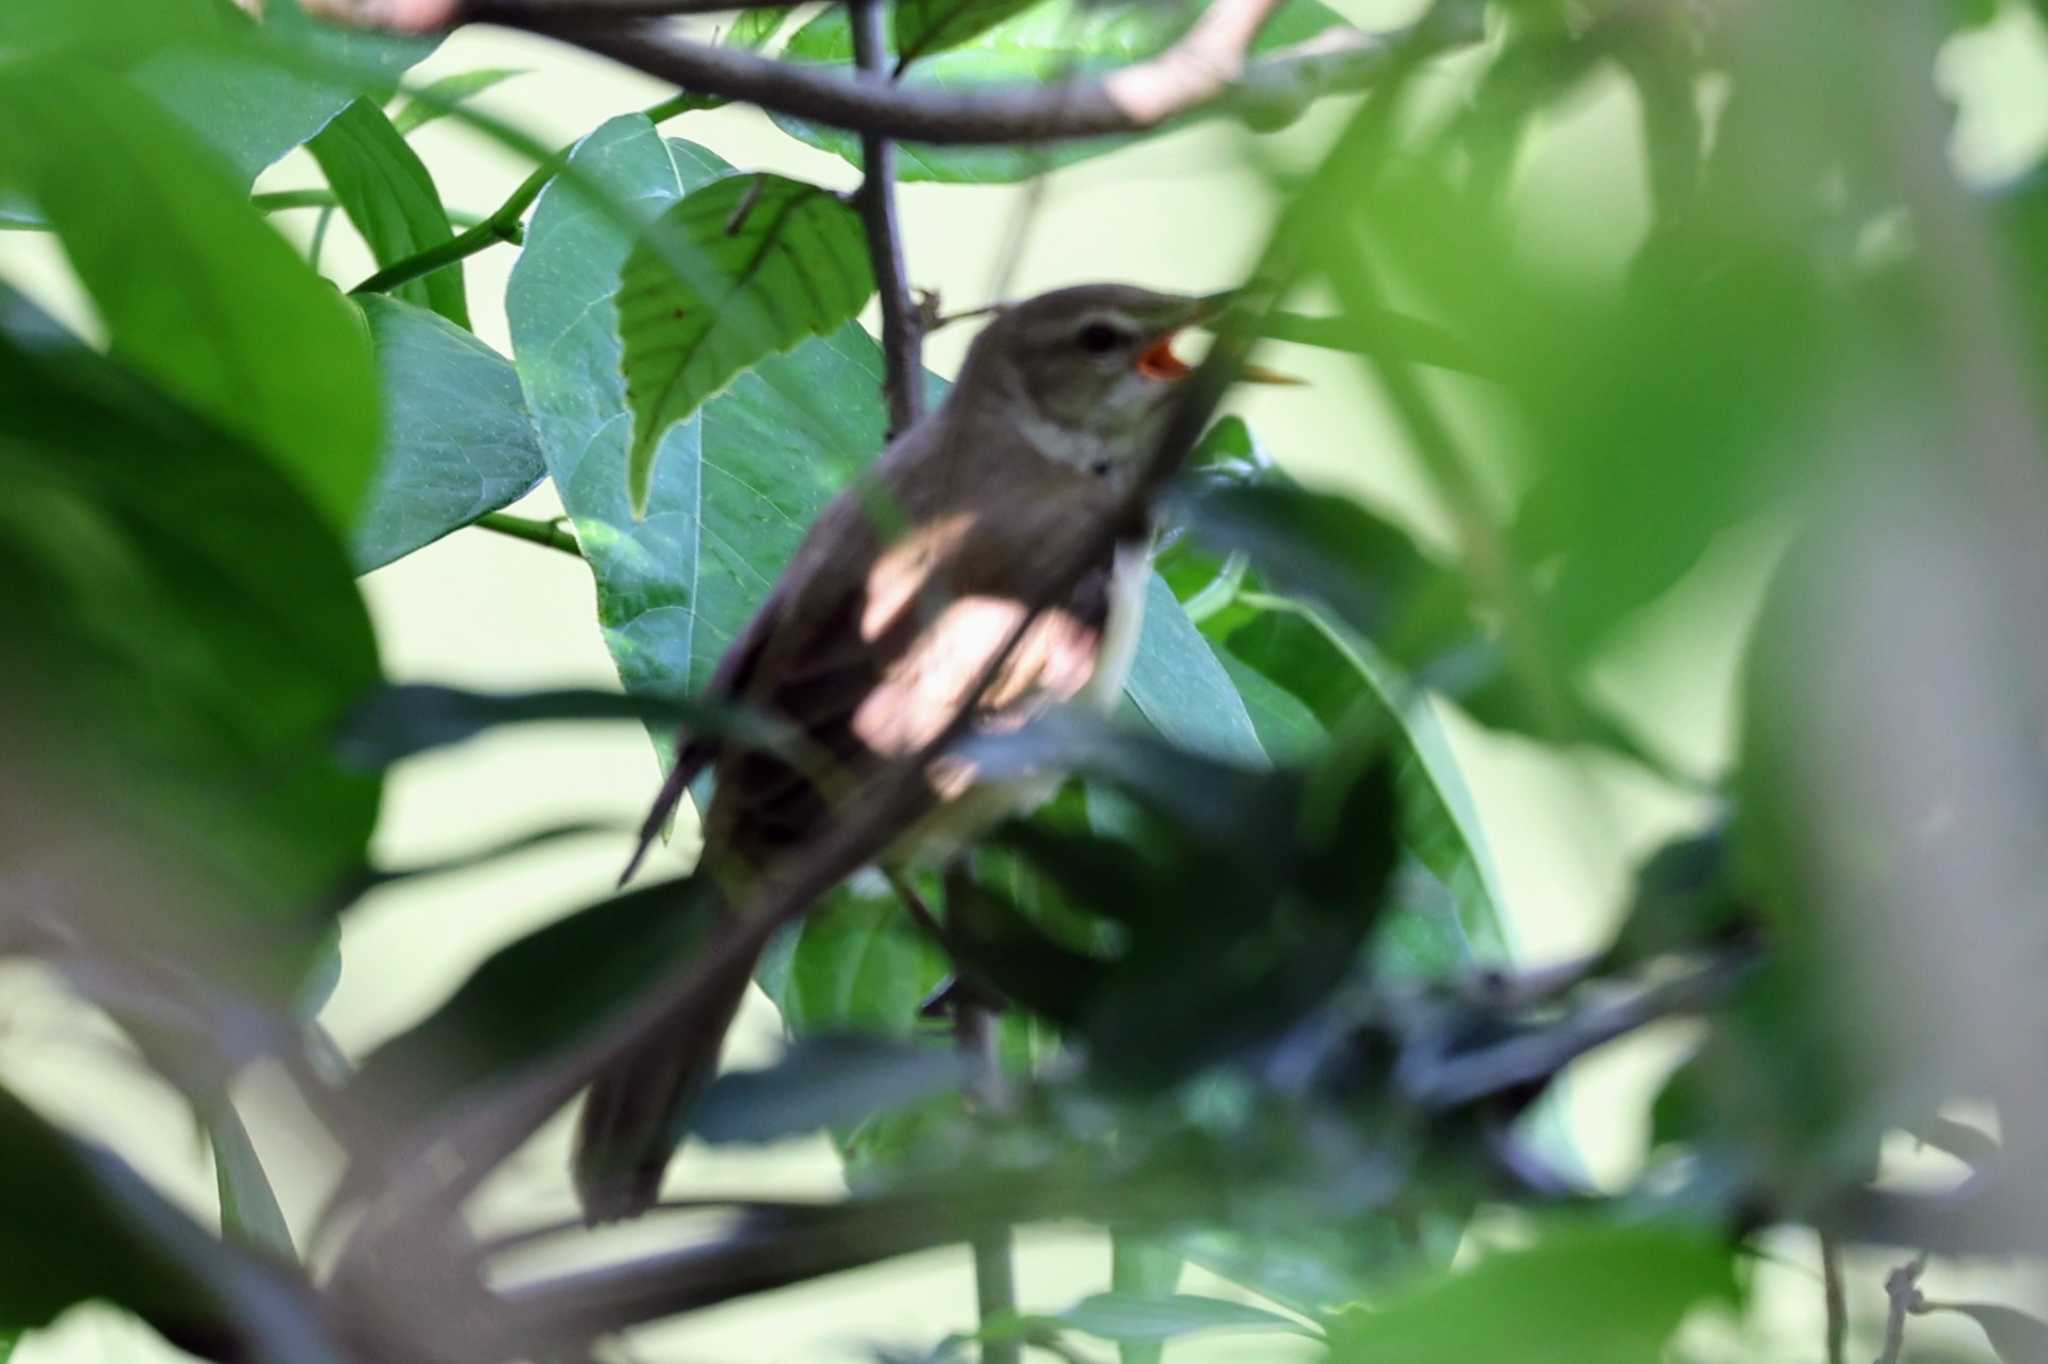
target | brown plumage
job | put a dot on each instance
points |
(904, 589)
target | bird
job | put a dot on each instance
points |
(901, 593)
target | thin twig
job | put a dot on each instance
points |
(1836, 1298)
(533, 531)
(502, 224)
(1390, 333)
(1204, 73)
(1902, 1288)
(902, 343)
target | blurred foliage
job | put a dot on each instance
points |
(1259, 1011)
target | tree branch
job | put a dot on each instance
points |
(902, 341)
(1205, 72)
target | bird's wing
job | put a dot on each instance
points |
(873, 660)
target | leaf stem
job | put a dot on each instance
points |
(503, 224)
(531, 530)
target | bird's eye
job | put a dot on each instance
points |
(1099, 338)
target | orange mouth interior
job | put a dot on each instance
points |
(1159, 362)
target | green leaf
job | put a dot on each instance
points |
(2015, 1336)
(200, 627)
(124, 1244)
(1181, 689)
(735, 487)
(249, 1214)
(1044, 43)
(433, 99)
(753, 29)
(922, 27)
(196, 290)
(820, 1082)
(536, 997)
(388, 194)
(400, 722)
(1563, 1282)
(113, 32)
(741, 269)
(258, 91)
(458, 441)
(1145, 1317)
(1340, 679)
(1145, 1269)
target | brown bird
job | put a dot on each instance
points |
(903, 590)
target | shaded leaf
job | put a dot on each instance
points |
(1145, 1317)
(457, 438)
(196, 290)
(432, 100)
(1340, 679)
(249, 1214)
(536, 997)
(1145, 1269)
(2015, 1336)
(1182, 690)
(192, 604)
(399, 722)
(1485, 1313)
(823, 1081)
(388, 194)
(124, 1244)
(747, 266)
(1327, 549)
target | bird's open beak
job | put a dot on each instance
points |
(1157, 361)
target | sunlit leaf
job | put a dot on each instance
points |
(432, 100)
(747, 266)
(922, 27)
(388, 194)
(1483, 1314)
(256, 92)
(458, 441)
(197, 291)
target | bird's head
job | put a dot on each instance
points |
(1086, 376)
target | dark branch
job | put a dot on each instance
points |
(902, 343)
(1203, 73)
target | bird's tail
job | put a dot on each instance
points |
(634, 1116)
